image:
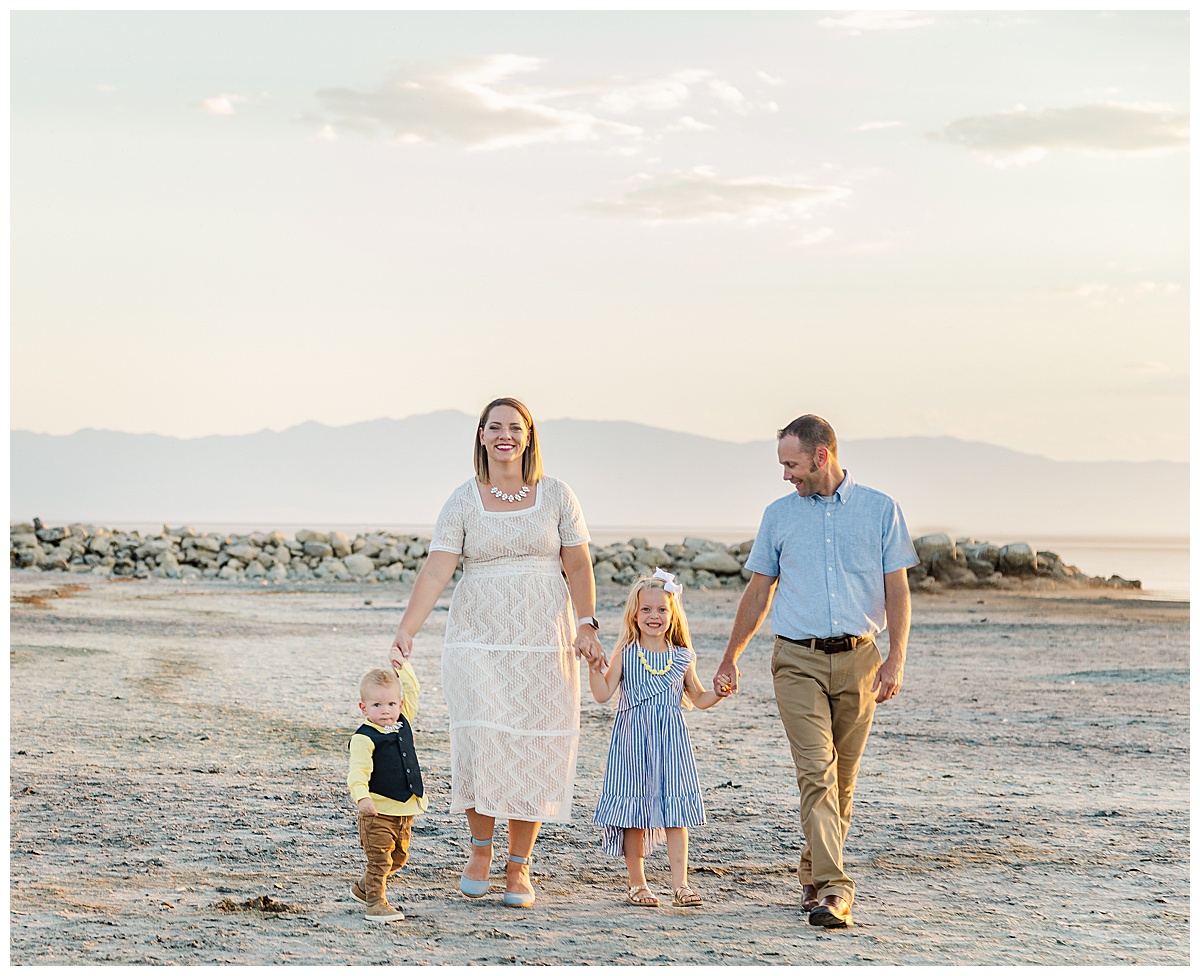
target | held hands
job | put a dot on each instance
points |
(366, 806)
(401, 649)
(888, 680)
(587, 645)
(725, 681)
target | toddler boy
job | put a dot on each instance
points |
(385, 782)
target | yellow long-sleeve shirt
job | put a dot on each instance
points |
(362, 752)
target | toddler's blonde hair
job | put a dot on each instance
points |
(377, 678)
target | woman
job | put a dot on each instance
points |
(509, 668)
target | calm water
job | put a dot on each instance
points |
(1163, 565)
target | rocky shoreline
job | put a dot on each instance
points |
(271, 557)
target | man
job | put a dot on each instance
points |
(834, 557)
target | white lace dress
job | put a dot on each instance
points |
(509, 671)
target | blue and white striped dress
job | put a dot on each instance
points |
(650, 781)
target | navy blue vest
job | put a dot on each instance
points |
(396, 773)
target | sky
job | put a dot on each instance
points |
(939, 223)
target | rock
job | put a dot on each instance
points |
(716, 562)
(277, 573)
(605, 571)
(332, 567)
(206, 542)
(418, 549)
(52, 535)
(359, 565)
(190, 573)
(246, 553)
(24, 558)
(183, 532)
(393, 571)
(388, 555)
(23, 540)
(929, 546)
(703, 545)
(56, 558)
(981, 569)
(340, 544)
(255, 570)
(229, 571)
(308, 535)
(1017, 559)
(319, 550)
(22, 528)
(948, 564)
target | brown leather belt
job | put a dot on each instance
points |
(830, 645)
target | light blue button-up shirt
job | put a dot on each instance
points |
(830, 554)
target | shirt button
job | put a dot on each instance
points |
(835, 621)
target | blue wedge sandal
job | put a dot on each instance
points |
(514, 899)
(468, 886)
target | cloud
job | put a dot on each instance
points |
(767, 79)
(876, 20)
(688, 124)
(1018, 136)
(1101, 293)
(700, 195)
(1150, 380)
(814, 237)
(872, 126)
(654, 94)
(222, 104)
(485, 104)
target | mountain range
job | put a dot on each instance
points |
(398, 472)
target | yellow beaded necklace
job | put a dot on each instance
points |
(646, 664)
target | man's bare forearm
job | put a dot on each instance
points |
(898, 605)
(751, 612)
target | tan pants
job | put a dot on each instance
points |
(385, 841)
(826, 704)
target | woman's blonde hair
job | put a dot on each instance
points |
(677, 633)
(531, 460)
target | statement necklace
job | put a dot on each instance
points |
(646, 664)
(511, 498)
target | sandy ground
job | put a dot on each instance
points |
(178, 793)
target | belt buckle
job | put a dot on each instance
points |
(836, 645)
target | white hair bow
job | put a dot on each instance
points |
(670, 584)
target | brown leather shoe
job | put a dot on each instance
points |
(808, 897)
(833, 913)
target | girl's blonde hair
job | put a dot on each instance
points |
(531, 460)
(677, 633)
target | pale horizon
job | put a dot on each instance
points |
(768, 435)
(942, 223)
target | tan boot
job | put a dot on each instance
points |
(383, 912)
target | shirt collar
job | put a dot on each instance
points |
(384, 728)
(841, 492)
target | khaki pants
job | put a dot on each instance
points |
(385, 841)
(826, 704)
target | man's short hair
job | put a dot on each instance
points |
(812, 432)
(377, 678)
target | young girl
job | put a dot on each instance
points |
(650, 783)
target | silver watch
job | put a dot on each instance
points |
(591, 620)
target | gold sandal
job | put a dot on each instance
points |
(684, 897)
(648, 900)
